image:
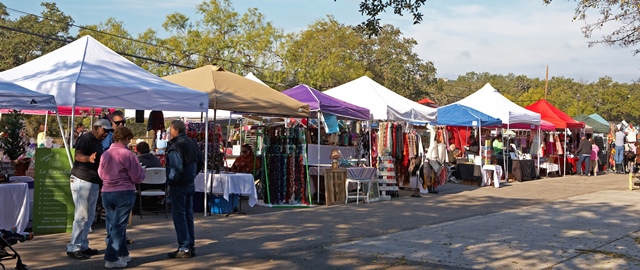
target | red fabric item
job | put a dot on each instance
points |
(460, 136)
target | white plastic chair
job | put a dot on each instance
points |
(154, 176)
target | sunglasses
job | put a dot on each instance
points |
(120, 123)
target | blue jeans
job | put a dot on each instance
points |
(117, 206)
(619, 157)
(182, 212)
(587, 167)
(85, 196)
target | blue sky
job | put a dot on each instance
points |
(497, 36)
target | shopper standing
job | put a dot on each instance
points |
(85, 183)
(584, 155)
(619, 157)
(120, 171)
(183, 162)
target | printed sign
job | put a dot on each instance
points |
(7, 169)
(53, 206)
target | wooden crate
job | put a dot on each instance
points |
(334, 184)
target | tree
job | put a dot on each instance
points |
(390, 58)
(626, 14)
(373, 8)
(322, 56)
(29, 36)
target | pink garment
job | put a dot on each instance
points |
(594, 152)
(119, 169)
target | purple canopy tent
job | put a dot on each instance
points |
(322, 103)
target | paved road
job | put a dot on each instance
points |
(560, 223)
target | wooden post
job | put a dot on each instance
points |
(546, 83)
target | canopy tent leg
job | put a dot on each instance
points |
(66, 146)
(206, 161)
(73, 114)
(318, 160)
(46, 119)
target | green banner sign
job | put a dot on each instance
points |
(53, 206)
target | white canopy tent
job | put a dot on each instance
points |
(489, 101)
(252, 77)
(87, 73)
(19, 98)
(383, 103)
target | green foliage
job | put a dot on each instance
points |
(13, 140)
(623, 16)
(17, 48)
(373, 8)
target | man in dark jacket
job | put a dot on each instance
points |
(183, 162)
(584, 154)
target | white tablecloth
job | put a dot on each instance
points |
(14, 206)
(233, 183)
(497, 175)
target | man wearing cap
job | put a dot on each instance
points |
(85, 184)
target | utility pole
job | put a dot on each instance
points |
(546, 83)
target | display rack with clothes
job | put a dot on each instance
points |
(284, 160)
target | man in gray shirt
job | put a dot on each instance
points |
(619, 157)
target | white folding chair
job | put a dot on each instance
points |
(158, 177)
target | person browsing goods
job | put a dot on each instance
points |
(183, 162)
(85, 183)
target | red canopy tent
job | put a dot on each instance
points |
(427, 102)
(554, 115)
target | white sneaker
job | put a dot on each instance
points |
(126, 258)
(120, 263)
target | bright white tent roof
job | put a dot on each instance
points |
(87, 73)
(383, 103)
(13, 96)
(489, 101)
(252, 77)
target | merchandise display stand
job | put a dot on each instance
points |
(386, 178)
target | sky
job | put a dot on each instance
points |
(497, 36)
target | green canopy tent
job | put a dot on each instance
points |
(599, 118)
(597, 126)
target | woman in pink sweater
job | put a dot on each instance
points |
(594, 157)
(120, 171)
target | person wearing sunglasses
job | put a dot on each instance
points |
(117, 120)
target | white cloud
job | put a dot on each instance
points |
(519, 38)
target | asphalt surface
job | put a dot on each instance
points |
(568, 222)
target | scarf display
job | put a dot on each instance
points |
(285, 150)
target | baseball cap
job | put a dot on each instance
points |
(104, 123)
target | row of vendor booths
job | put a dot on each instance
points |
(374, 123)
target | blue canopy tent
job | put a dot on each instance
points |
(463, 116)
(457, 115)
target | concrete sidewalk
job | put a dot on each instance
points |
(568, 223)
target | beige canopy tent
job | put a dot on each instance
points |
(229, 91)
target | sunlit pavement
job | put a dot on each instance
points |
(564, 222)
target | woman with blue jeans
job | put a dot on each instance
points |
(584, 153)
(120, 171)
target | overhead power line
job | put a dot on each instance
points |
(139, 41)
(68, 41)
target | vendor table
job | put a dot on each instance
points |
(523, 169)
(496, 170)
(14, 206)
(468, 171)
(352, 173)
(229, 183)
